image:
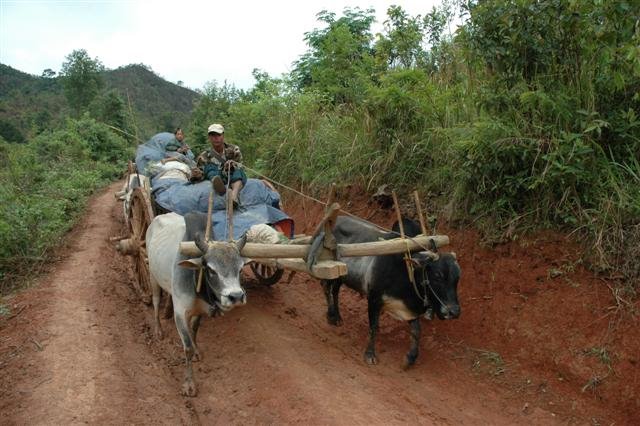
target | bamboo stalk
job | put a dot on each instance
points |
(423, 225)
(397, 208)
(407, 255)
(207, 234)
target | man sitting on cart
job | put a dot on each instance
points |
(218, 164)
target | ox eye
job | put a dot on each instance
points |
(211, 272)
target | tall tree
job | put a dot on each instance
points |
(81, 79)
(339, 62)
(401, 46)
(48, 73)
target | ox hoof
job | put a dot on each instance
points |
(409, 361)
(337, 321)
(196, 356)
(189, 388)
(159, 334)
(370, 358)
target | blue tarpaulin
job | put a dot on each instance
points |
(258, 203)
(155, 150)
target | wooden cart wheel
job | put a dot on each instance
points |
(141, 217)
(266, 275)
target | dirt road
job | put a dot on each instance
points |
(77, 349)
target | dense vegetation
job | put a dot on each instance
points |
(524, 117)
(58, 143)
(45, 184)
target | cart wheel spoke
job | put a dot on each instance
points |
(266, 275)
(141, 216)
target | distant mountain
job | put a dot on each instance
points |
(30, 104)
(158, 105)
(27, 103)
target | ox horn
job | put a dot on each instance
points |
(434, 246)
(201, 243)
(241, 242)
(431, 255)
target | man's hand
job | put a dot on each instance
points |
(229, 165)
(183, 149)
(196, 174)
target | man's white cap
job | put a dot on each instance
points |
(216, 128)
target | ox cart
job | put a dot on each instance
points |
(317, 254)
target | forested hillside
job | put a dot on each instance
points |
(158, 104)
(30, 104)
(63, 136)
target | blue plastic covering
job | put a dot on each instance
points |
(259, 204)
(155, 150)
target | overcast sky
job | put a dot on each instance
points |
(192, 41)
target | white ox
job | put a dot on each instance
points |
(177, 275)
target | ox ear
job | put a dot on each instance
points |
(195, 263)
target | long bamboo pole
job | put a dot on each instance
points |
(423, 226)
(207, 234)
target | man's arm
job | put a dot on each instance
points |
(196, 172)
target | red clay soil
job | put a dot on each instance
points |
(540, 341)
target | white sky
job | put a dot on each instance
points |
(188, 40)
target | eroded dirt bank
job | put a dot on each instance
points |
(540, 341)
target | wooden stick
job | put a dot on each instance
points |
(330, 214)
(230, 216)
(423, 225)
(207, 234)
(407, 254)
(229, 202)
(323, 269)
(332, 195)
(397, 207)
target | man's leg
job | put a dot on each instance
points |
(235, 189)
(218, 185)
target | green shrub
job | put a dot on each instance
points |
(46, 183)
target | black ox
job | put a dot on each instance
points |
(385, 282)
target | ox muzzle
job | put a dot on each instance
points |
(231, 298)
(448, 311)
